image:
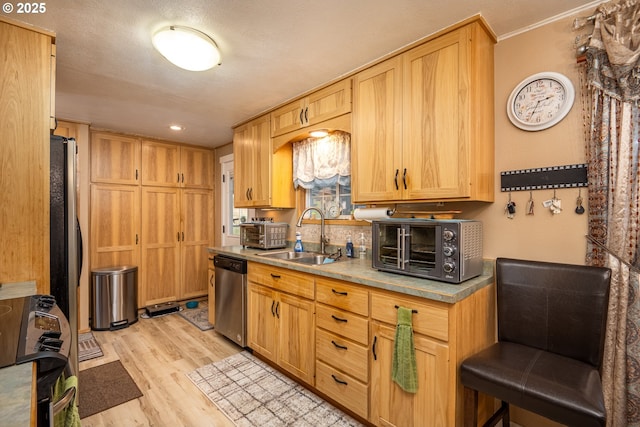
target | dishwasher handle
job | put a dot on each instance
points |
(236, 265)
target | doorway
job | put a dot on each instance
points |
(231, 217)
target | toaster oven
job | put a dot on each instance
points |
(264, 234)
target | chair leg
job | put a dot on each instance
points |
(470, 407)
(501, 414)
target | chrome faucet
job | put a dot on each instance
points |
(323, 239)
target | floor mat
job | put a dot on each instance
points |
(197, 316)
(104, 387)
(88, 347)
(251, 393)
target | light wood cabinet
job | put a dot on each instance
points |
(321, 105)
(173, 165)
(115, 159)
(429, 114)
(159, 275)
(115, 225)
(211, 301)
(196, 236)
(27, 84)
(281, 324)
(263, 178)
(342, 344)
(444, 335)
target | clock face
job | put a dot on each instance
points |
(540, 101)
(332, 210)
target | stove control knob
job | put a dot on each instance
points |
(449, 267)
(449, 250)
(448, 235)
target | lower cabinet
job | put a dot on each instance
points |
(281, 325)
(343, 334)
(392, 406)
(211, 301)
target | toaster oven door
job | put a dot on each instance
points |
(424, 250)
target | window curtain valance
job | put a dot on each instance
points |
(322, 162)
(613, 56)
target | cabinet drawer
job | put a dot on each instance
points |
(343, 389)
(343, 323)
(431, 319)
(281, 279)
(341, 295)
(343, 354)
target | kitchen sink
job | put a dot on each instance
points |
(307, 258)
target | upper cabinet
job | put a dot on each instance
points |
(27, 86)
(115, 159)
(172, 165)
(317, 107)
(263, 178)
(423, 121)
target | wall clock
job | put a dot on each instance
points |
(540, 101)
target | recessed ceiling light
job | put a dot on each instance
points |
(176, 127)
(187, 48)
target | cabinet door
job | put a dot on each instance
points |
(115, 225)
(25, 79)
(160, 272)
(196, 236)
(115, 159)
(242, 166)
(288, 118)
(262, 321)
(160, 164)
(211, 302)
(196, 168)
(392, 406)
(436, 118)
(329, 102)
(376, 146)
(296, 347)
(261, 185)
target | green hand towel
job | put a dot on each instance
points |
(69, 417)
(403, 369)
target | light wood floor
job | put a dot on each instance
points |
(158, 353)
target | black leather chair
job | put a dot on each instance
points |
(551, 330)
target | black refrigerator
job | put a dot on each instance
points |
(65, 236)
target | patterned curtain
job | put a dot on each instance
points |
(322, 162)
(613, 155)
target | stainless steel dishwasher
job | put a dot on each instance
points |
(231, 298)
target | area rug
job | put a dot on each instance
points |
(198, 316)
(88, 347)
(251, 393)
(104, 387)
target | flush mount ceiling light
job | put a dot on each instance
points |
(176, 127)
(187, 48)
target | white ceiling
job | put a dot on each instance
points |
(109, 75)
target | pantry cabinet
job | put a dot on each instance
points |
(321, 105)
(429, 114)
(196, 236)
(173, 165)
(115, 159)
(281, 321)
(263, 177)
(27, 84)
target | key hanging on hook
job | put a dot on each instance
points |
(510, 208)
(530, 204)
(579, 207)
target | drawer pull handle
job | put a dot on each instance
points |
(275, 276)
(341, 347)
(413, 311)
(339, 293)
(373, 347)
(338, 319)
(339, 381)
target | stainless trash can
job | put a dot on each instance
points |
(114, 297)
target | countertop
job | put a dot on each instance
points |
(15, 395)
(360, 271)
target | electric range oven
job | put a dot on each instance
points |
(34, 329)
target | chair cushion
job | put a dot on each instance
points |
(562, 389)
